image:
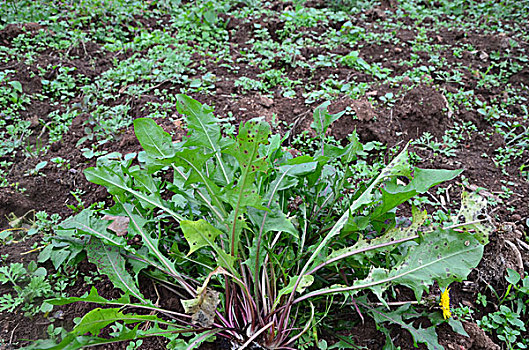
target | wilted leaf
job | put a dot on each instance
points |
(119, 224)
(473, 208)
(203, 307)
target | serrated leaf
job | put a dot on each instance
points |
(273, 220)
(199, 234)
(444, 256)
(116, 184)
(85, 222)
(111, 263)
(420, 335)
(137, 227)
(194, 160)
(74, 342)
(92, 297)
(154, 140)
(205, 129)
(398, 166)
(95, 320)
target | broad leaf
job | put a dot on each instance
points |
(444, 256)
(323, 119)
(154, 140)
(251, 135)
(199, 234)
(116, 185)
(204, 127)
(295, 285)
(85, 222)
(394, 195)
(111, 263)
(97, 319)
(273, 220)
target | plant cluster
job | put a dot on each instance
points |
(255, 242)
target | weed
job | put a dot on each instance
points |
(29, 284)
(233, 198)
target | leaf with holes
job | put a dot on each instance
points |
(473, 209)
(251, 135)
(444, 256)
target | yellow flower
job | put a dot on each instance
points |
(445, 304)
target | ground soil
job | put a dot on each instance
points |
(419, 108)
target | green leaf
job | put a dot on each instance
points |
(110, 262)
(194, 160)
(424, 179)
(154, 140)
(92, 297)
(137, 227)
(74, 341)
(420, 335)
(394, 195)
(444, 256)
(253, 259)
(393, 235)
(204, 127)
(273, 220)
(85, 222)
(97, 319)
(513, 277)
(199, 234)
(398, 166)
(306, 281)
(251, 135)
(116, 184)
(16, 85)
(323, 119)
(457, 327)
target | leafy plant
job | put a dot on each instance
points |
(508, 322)
(29, 285)
(254, 240)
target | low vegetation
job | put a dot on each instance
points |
(164, 185)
